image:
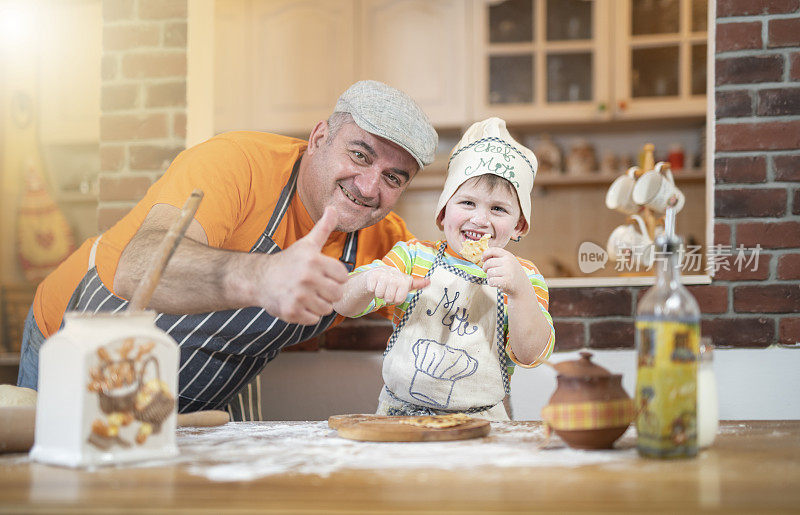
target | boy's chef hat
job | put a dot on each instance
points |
(487, 147)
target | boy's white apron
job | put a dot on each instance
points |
(447, 352)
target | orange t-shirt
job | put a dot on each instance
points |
(242, 175)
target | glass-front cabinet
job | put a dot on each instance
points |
(564, 60)
(542, 59)
(661, 50)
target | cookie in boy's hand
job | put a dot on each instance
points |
(473, 250)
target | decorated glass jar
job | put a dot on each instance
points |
(107, 391)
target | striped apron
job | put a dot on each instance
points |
(221, 352)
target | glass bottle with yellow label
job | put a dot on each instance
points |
(667, 343)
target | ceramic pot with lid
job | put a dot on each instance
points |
(589, 408)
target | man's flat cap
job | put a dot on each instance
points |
(391, 114)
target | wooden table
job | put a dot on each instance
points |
(752, 467)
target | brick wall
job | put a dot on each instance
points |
(143, 99)
(756, 170)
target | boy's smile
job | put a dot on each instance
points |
(472, 235)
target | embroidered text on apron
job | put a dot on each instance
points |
(447, 353)
(221, 351)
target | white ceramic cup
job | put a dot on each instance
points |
(629, 242)
(655, 188)
(620, 194)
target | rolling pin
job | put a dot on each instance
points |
(18, 424)
(203, 418)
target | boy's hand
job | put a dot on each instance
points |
(504, 271)
(392, 285)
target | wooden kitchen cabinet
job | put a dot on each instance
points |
(545, 61)
(661, 51)
(419, 47)
(282, 64)
(542, 60)
(285, 62)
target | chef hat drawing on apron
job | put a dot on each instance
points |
(488, 148)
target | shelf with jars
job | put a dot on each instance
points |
(591, 158)
(433, 178)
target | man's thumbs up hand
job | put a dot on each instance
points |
(300, 284)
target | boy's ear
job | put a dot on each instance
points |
(521, 227)
(440, 218)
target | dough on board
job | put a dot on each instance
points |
(11, 396)
(437, 421)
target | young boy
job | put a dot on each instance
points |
(456, 321)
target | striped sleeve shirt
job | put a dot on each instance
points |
(415, 257)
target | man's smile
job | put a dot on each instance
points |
(353, 198)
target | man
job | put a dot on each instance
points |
(281, 224)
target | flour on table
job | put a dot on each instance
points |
(244, 451)
(732, 428)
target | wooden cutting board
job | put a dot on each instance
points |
(377, 428)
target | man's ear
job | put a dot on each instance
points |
(318, 137)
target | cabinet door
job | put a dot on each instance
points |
(419, 47)
(542, 60)
(69, 71)
(661, 52)
(296, 58)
